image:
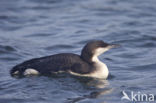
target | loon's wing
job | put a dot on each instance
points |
(48, 64)
(81, 68)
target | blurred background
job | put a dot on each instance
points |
(35, 28)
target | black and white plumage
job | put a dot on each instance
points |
(86, 64)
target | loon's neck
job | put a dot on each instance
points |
(95, 59)
(101, 70)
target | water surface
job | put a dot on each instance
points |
(35, 28)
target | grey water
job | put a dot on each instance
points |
(36, 28)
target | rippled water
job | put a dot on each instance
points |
(35, 28)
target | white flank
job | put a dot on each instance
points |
(30, 71)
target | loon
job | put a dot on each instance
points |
(87, 64)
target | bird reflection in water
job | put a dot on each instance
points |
(98, 87)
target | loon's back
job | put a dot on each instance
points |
(54, 63)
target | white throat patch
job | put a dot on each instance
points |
(101, 68)
(99, 51)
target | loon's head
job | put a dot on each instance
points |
(95, 48)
